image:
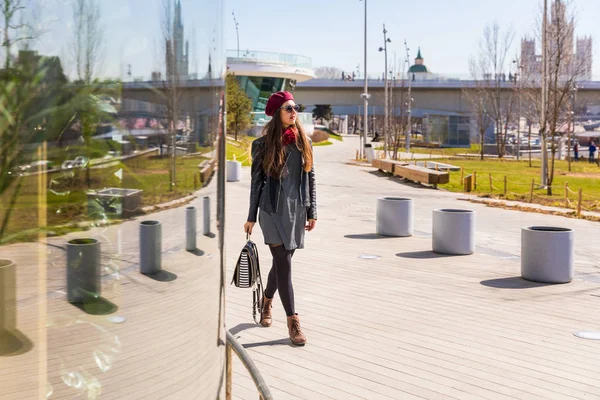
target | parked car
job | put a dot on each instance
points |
(80, 162)
(42, 163)
(67, 165)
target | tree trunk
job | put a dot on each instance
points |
(482, 141)
(529, 143)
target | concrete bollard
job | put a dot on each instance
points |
(83, 269)
(150, 247)
(8, 296)
(190, 228)
(206, 214)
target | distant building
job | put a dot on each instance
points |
(177, 60)
(419, 70)
(584, 57)
(576, 60)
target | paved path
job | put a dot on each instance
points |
(407, 324)
(412, 324)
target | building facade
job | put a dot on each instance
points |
(574, 60)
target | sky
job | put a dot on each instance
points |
(330, 32)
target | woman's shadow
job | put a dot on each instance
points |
(242, 327)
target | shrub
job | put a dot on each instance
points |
(319, 136)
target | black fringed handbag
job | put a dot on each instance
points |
(247, 275)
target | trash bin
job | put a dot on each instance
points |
(234, 171)
(369, 152)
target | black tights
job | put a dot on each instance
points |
(280, 277)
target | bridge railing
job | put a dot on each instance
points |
(293, 60)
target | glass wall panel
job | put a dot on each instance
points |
(111, 284)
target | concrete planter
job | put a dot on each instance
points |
(453, 231)
(547, 254)
(234, 171)
(8, 296)
(394, 216)
(150, 247)
(83, 269)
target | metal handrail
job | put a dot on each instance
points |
(261, 386)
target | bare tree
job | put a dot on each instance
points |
(170, 85)
(491, 68)
(328, 73)
(478, 97)
(564, 70)
(13, 32)
(88, 35)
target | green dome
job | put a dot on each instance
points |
(417, 68)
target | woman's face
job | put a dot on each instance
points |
(288, 113)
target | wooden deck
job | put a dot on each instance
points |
(385, 317)
(413, 324)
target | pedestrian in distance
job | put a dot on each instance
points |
(283, 196)
(576, 151)
(592, 150)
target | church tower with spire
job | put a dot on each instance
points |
(177, 55)
(418, 71)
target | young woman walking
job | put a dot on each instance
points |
(283, 195)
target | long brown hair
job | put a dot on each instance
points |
(274, 158)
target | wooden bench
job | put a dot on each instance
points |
(206, 169)
(420, 174)
(387, 165)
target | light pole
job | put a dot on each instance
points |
(237, 33)
(520, 77)
(409, 109)
(386, 40)
(365, 95)
(544, 177)
(572, 130)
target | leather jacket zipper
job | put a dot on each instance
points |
(279, 189)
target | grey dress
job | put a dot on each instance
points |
(286, 226)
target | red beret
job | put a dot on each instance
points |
(276, 100)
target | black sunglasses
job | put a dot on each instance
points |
(289, 108)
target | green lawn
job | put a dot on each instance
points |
(240, 149)
(66, 200)
(519, 177)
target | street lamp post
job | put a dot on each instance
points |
(544, 169)
(237, 33)
(386, 40)
(409, 108)
(520, 77)
(572, 130)
(365, 95)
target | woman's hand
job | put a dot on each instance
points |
(310, 224)
(248, 227)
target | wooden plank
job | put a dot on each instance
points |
(421, 174)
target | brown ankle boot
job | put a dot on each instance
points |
(295, 331)
(265, 316)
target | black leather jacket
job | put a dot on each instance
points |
(260, 182)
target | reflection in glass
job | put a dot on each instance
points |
(112, 114)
